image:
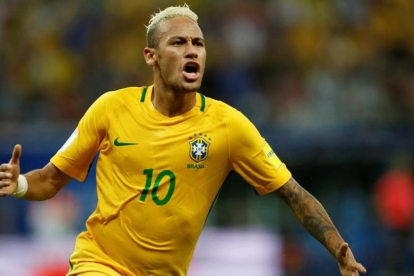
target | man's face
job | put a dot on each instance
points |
(181, 54)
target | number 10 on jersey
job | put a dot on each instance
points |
(155, 198)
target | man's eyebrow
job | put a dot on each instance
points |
(198, 38)
(184, 38)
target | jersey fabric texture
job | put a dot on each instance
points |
(157, 178)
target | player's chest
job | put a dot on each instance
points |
(201, 145)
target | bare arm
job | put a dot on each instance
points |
(43, 183)
(311, 214)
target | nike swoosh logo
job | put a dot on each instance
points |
(120, 144)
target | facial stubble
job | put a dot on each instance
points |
(177, 83)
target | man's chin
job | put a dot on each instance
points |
(191, 86)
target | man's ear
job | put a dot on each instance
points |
(150, 56)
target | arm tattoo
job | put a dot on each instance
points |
(311, 215)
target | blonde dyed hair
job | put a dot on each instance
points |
(157, 18)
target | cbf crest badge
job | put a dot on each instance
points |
(199, 149)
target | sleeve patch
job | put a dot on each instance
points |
(271, 155)
(69, 141)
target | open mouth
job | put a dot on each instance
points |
(191, 71)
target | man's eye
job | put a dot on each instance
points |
(177, 43)
(199, 44)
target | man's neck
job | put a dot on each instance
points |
(172, 103)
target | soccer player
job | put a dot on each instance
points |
(165, 151)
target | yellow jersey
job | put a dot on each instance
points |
(157, 178)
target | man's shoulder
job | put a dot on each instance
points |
(122, 96)
(222, 110)
(133, 91)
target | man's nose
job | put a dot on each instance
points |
(191, 51)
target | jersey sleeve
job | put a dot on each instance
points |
(252, 157)
(78, 153)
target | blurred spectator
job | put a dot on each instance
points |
(56, 217)
(394, 198)
(394, 194)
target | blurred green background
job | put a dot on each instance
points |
(329, 83)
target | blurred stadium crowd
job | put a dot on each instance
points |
(324, 62)
(328, 81)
